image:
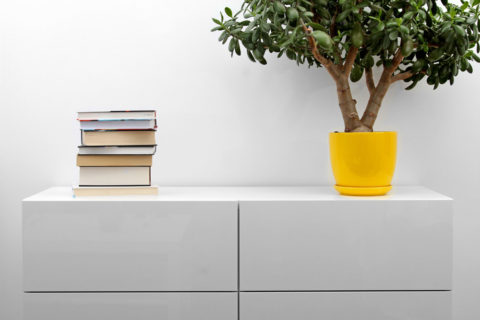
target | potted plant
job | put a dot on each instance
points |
(409, 41)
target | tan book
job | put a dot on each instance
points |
(118, 138)
(114, 191)
(114, 176)
(114, 160)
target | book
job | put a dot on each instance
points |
(118, 124)
(112, 115)
(114, 176)
(116, 150)
(114, 160)
(114, 191)
(118, 138)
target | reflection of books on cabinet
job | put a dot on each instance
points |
(116, 151)
(114, 191)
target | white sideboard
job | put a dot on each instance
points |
(250, 253)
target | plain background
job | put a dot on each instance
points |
(221, 121)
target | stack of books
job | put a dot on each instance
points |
(115, 155)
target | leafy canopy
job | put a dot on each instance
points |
(437, 39)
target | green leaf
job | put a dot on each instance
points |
(292, 14)
(357, 35)
(393, 35)
(410, 87)
(469, 68)
(475, 57)
(291, 54)
(308, 14)
(256, 35)
(223, 36)
(404, 30)
(356, 74)
(265, 27)
(459, 30)
(435, 54)
(408, 16)
(238, 51)
(258, 54)
(379, 28)
(250, 56)
(231, 45)
(279, 7)
(418, 65)
(228, 11)
(407, 47)
(342, 16)
(323, 39)
(217, 21)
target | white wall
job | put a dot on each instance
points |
(222, 121)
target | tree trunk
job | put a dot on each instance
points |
(348, 107)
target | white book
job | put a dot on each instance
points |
(118, 124)
(120, 115)
(116, 150)
(114, 176)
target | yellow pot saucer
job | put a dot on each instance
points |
(363, 191)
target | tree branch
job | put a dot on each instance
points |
(401, 76)
(397, 59)
(331, 68)
(350, 60)
(369, 79)
(333, 28)
(376, 97)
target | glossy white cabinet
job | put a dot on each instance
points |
(235, 253)
(130, 306)
(130, 246)
(421, 305)
(382, 244)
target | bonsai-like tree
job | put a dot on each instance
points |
(409, 40)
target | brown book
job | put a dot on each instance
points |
(118, 138)
(114, 191)
(114, 160)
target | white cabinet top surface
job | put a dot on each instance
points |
(322, 193)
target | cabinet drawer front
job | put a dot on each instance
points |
(354, 245)
(130, 246)
(129, 306)
(433, 305)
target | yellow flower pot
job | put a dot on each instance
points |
(363, 162)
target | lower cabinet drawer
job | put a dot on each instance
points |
(433, 305)
(130, 306)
